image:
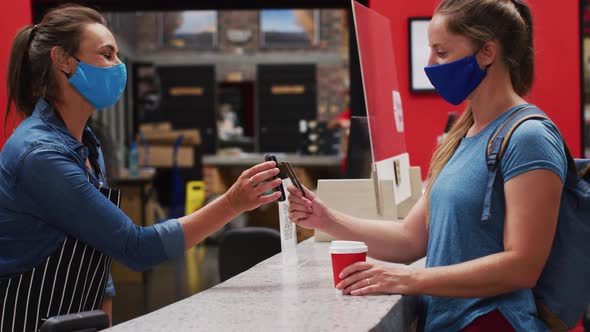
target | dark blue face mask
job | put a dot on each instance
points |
(454, 81)
(101, 86)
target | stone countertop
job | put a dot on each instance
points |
(274, 297)
(250, 159)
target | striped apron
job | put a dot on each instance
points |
(73, 279)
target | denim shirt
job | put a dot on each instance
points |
(46, 194)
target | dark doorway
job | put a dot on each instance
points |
(147, 95)
(286, 95)
(238, 97)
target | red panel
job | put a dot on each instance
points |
(557, 73)
(16, 15)
(557, 84)
(380, 83)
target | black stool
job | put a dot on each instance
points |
(242, 248)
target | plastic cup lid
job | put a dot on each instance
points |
(349, 247)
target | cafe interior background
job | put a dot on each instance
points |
(213, 81)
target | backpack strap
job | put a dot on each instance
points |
(497, 144)
(571, 163)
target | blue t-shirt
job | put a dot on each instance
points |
(457, 234)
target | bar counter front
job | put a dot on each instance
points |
(276, 297)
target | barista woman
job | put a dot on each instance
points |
(60, 225)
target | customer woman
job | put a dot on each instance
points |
(478, 277)
(59, 228)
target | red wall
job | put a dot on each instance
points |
(557, 75)
(15, 15)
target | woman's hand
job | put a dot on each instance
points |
(367, 278)
(247, 193)
(307, 212)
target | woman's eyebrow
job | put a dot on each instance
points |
(110, 47)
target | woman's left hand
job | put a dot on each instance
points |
(367, 278)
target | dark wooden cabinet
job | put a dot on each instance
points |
(285, 94)
(188, 100)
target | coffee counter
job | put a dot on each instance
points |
(273, 297)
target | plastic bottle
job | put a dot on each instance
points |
(133, 160)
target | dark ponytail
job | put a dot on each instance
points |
(30, 70)
(19, 80)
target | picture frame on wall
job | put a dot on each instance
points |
(419, 53)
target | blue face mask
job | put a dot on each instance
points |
(101, 86)
(456, 80)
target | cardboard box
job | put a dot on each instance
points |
(155, 127)
(191, 137)
(161, 156)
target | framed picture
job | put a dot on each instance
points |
(419, 53)
(290, 28)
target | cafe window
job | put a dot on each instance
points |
(295, 28)
(194, 29)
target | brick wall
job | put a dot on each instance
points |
(240, 59)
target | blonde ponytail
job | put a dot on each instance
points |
(444, 152)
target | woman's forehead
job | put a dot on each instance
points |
(439, 34)
(96, 35)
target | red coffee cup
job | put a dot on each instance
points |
(344, 254)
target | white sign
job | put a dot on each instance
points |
(288, 230)
(398, 112)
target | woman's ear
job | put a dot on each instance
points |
(487, 54)
(62, 61)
